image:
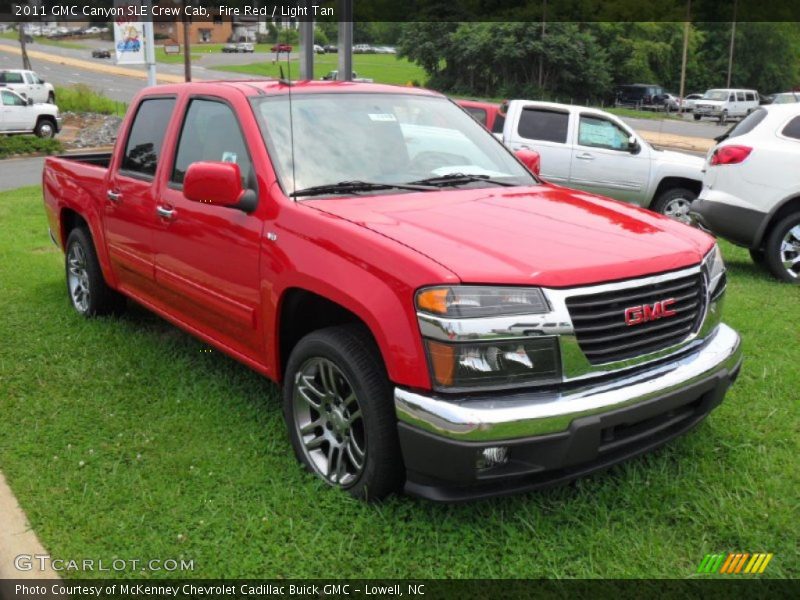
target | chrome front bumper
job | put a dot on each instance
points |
(509, 416)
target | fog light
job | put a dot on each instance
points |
(492, 457)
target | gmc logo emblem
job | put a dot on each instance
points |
(636, 315)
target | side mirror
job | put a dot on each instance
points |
(633, 145)
(531, 159)
(30, 101)
(217, 183)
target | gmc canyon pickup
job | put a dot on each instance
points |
(439, 318)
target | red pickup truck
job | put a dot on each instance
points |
(439, 318)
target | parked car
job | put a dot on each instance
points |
(488, 114)
(319, 49)
(671, 102)
(786, 98)
(245, 47)
(100, 53)
(440, 320)
(331, 48)
(690, 100)
(751, 189)
(278, 48)
(724, 104)
(229, 48)
(592, 150)
(363, 49)
(384, 50)
(334, 75)
(638, 94)
(23, 115)
(28, 84)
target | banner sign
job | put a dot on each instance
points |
(129, 40)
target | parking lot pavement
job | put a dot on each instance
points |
(19, 172)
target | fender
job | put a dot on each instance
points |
(770, 217)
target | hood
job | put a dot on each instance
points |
(540, 235)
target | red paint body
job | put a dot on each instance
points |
(479, 109)
(215, 272)
(217, 183)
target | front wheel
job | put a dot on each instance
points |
(45, 129)
(675, 203)
(782, 249)
(88, 291)
(338, 406)
(697, 117)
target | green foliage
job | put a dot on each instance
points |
(82, 98)
(27, 144)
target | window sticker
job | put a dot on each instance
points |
(384, 117)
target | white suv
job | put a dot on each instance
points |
(726, 103)
(751, 189)
(28, 85)
(21, 115)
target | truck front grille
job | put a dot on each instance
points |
(602, 331)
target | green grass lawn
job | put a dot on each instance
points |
(383, 68)
(13, 35)
(124, 437)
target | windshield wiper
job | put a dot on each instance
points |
(344, 187)
(457, 179)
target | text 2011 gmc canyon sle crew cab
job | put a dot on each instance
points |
(438, 317)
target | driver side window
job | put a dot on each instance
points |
(601, 133)
(10, 99)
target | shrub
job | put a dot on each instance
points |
(82, 98)
(27, 144)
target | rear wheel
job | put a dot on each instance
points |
(45, 128)
(723, 117)
(337, 402)
(675, 203)
(697, 117)
(88, 291)
(782, 249)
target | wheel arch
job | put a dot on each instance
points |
(780, 211)
(670, 182)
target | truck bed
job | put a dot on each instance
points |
(98, 159)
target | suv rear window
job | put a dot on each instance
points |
(747, 124)
(792, 129)
(542, 124)
(147, 135)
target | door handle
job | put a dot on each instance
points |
(114, 196)
(585, 156)
(165, 213)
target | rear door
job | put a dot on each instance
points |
(545, 130)
(130, 202)
(207, 256)
(602, 162)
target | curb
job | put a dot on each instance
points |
(17, 537)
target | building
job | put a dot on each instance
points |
(215, 30)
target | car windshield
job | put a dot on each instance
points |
(382, 139)
(716, 95)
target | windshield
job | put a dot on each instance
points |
(379, 138)
(716, 95)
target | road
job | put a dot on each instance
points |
(19, 172)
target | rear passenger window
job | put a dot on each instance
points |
(10, 77)
(211, 133)
(544, 125)
(747, 124)
(792, 129)
(740, 96)
(147, 135)
(751, 97)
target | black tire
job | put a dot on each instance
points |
(45, 128)
(723, 117)
(670, 203)
(99, 298)
(697, 117)
(51, 98)
(758, 257)
(778, 247)
(351, 349)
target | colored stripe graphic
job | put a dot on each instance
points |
(735, 562)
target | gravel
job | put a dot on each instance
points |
(92, 130)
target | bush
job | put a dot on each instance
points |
(27, 144)
(81, 98)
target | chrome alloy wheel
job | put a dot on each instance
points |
(328, 421)
(78, 278)
(678, 209)
(790, 251)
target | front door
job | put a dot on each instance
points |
(207, 256)
(602, 162)
(15, 114)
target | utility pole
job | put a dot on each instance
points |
(345, 40)
(187, 55)
(733, 41)
(687, 24)
(26, 62)
(541, 55)
(149, 46)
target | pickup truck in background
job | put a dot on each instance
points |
(441, 320)
(22, 115)
(590, 149)
(28, 85)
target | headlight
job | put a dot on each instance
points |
(489, 359)
(714, 268)
(462, 302)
